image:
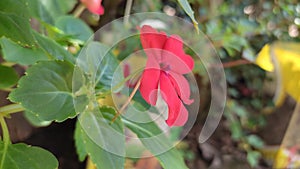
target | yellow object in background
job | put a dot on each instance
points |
(264, 59)
(284, 59)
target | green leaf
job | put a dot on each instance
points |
(135, 111)
(47, 90)
(35, 120)
(253, 157)
(52, 48)
(82, 90)
(79, 142)
(49, 11)
(8, 77)
(255, 141)
(74, 27)
(15, 22)
(159, 145)
(54, 33)
(46, 49)
(103, 141)
(13, 52)
(236, 130)
(14, 7)
(98, 61)
(140, 100)
(188, 10)
(22, 156)
(17, 28)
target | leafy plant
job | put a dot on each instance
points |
(47, 94)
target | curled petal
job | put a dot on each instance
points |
(182, 87)
(181, 118)
(177, 115)
(174, 55)
(94, 6)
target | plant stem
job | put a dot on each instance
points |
(9, 64)
(77, 12)
(127, 11)
(11, 108)
(7, 89)
(5, 138)
(236, 63)
(233, 63)
(127, 101)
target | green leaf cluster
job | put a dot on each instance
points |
(57, 85)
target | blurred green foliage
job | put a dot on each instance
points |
(238, 30)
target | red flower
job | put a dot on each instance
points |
(94, 6)
(165, 67)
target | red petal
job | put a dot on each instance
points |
(149, 85)
(94, 6)
(182, 87)
(183, 63)
(151, 39)
(181, 118)
(177, 113)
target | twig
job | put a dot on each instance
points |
(77, 12)
(233, 63)
(127, 11)
(127, 101)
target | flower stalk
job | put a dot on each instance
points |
(5, 139)
(127, 101)
(78, 11)
(11, 108)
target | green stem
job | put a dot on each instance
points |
(80, 8)
(9, 64)
(7, 89)
(127, 11)
(11, 108)
(5, 139)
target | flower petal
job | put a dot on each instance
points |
(94, 6)
(181, 118)
(149, 85)
(177, 113)
(151, 39)
(182, 63)
(182, 87)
